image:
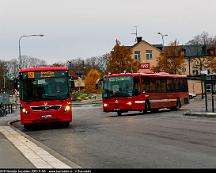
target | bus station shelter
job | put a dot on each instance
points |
(208, 80)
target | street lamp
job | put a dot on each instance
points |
(23, 36)
(162, 36)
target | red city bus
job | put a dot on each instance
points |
(143, 92)
(45, 95)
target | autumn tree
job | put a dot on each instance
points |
(212, 53)
(90, 80)
(213, 65)
(171, 59)
(120, 59)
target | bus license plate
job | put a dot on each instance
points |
(117, 109)
(46, 116)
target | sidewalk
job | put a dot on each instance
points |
(93, 101)
(10, 156)
(197, 107)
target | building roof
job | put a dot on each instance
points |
(193, 50)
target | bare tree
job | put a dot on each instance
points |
(12, 68)
(28, 61)
(201, 44)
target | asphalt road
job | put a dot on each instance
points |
(167, 139)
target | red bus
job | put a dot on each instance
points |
(143, 92)
(45, 95)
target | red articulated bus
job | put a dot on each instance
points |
(45, 95)
(143, 92)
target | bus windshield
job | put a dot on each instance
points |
(117, 86)
(51, 85)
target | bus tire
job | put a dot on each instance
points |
(66, 124)
(147, 107)
(119, 113)
(27, 126)
(155, 110)
(178, 105)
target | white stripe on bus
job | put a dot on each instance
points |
(164, 100)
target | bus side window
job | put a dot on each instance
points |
(145, 84)
(157, 87)
(169, 85)
(136, 88)
(152, 87)
(163, 85)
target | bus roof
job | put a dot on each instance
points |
(45, 68)
(149, 74)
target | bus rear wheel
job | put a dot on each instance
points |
(155, 110)
(178, 105)
(147, 107)
(119, 113)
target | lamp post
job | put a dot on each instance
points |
(23, 36)
(162, 36)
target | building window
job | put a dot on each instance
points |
(137, 55)
(195, 72)
(149, 54)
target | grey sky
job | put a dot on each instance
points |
(86, 28)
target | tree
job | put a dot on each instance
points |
(3, 70)
(171, 59)
(12, 68)
(77, 66)
(202, 43)
(212, 53)
(28, 61)
(90, 80)
(120, 59)
(213, 65)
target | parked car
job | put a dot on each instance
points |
(192, 95)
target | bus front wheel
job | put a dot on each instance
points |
(27, 126)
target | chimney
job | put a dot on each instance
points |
(139, 39)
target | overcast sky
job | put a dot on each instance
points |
(86, 28)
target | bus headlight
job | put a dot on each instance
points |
(24, 110)
(129, 103)
(67, 108)
(105, 105)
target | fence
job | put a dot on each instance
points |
(6, 104)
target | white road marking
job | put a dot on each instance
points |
(35, 154)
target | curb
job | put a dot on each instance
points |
(46, 148)
(200, 114)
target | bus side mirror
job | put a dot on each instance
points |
(97, 82)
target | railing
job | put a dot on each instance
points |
(6, 109)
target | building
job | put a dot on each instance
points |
(145, 53)
(148, 53)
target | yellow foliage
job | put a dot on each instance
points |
(171, 60)
(90, 80)
(121, 60)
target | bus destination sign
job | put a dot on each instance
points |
(45, 74)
